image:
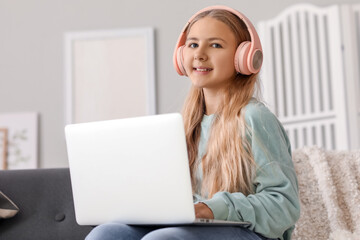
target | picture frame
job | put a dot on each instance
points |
(109, 74)
(19, 143)
(3, 148)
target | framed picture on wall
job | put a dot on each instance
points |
(109, 74)
(3, 148)
(19, 140)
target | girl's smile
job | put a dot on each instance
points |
(202, 69)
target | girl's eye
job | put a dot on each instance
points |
(216, 45)
(193, 45)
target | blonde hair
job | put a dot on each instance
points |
(228, 164)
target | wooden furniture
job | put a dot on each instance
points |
(311, 74)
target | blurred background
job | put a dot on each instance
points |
(32, 53)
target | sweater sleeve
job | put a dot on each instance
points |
(274, 206)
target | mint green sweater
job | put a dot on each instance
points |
(274, 207)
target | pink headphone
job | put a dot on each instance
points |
(248, 57)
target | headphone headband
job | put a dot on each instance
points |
(250, 59)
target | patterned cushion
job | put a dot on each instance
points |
(7, 208)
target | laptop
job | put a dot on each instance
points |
(133, 171)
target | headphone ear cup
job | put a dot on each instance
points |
(180, 60)
(241, 56)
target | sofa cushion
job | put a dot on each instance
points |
(8, 209)
(45, 199)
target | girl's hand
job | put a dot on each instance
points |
(203, 211)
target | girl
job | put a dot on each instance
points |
(239, 154)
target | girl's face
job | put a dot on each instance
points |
(209, 54)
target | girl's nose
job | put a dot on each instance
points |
(200, 55)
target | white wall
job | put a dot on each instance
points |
(32, 51)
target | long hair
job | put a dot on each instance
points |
(228, 164)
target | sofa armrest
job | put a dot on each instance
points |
(45, 200)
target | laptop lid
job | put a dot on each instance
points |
(133, 170)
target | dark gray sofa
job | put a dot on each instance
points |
(45, 200)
